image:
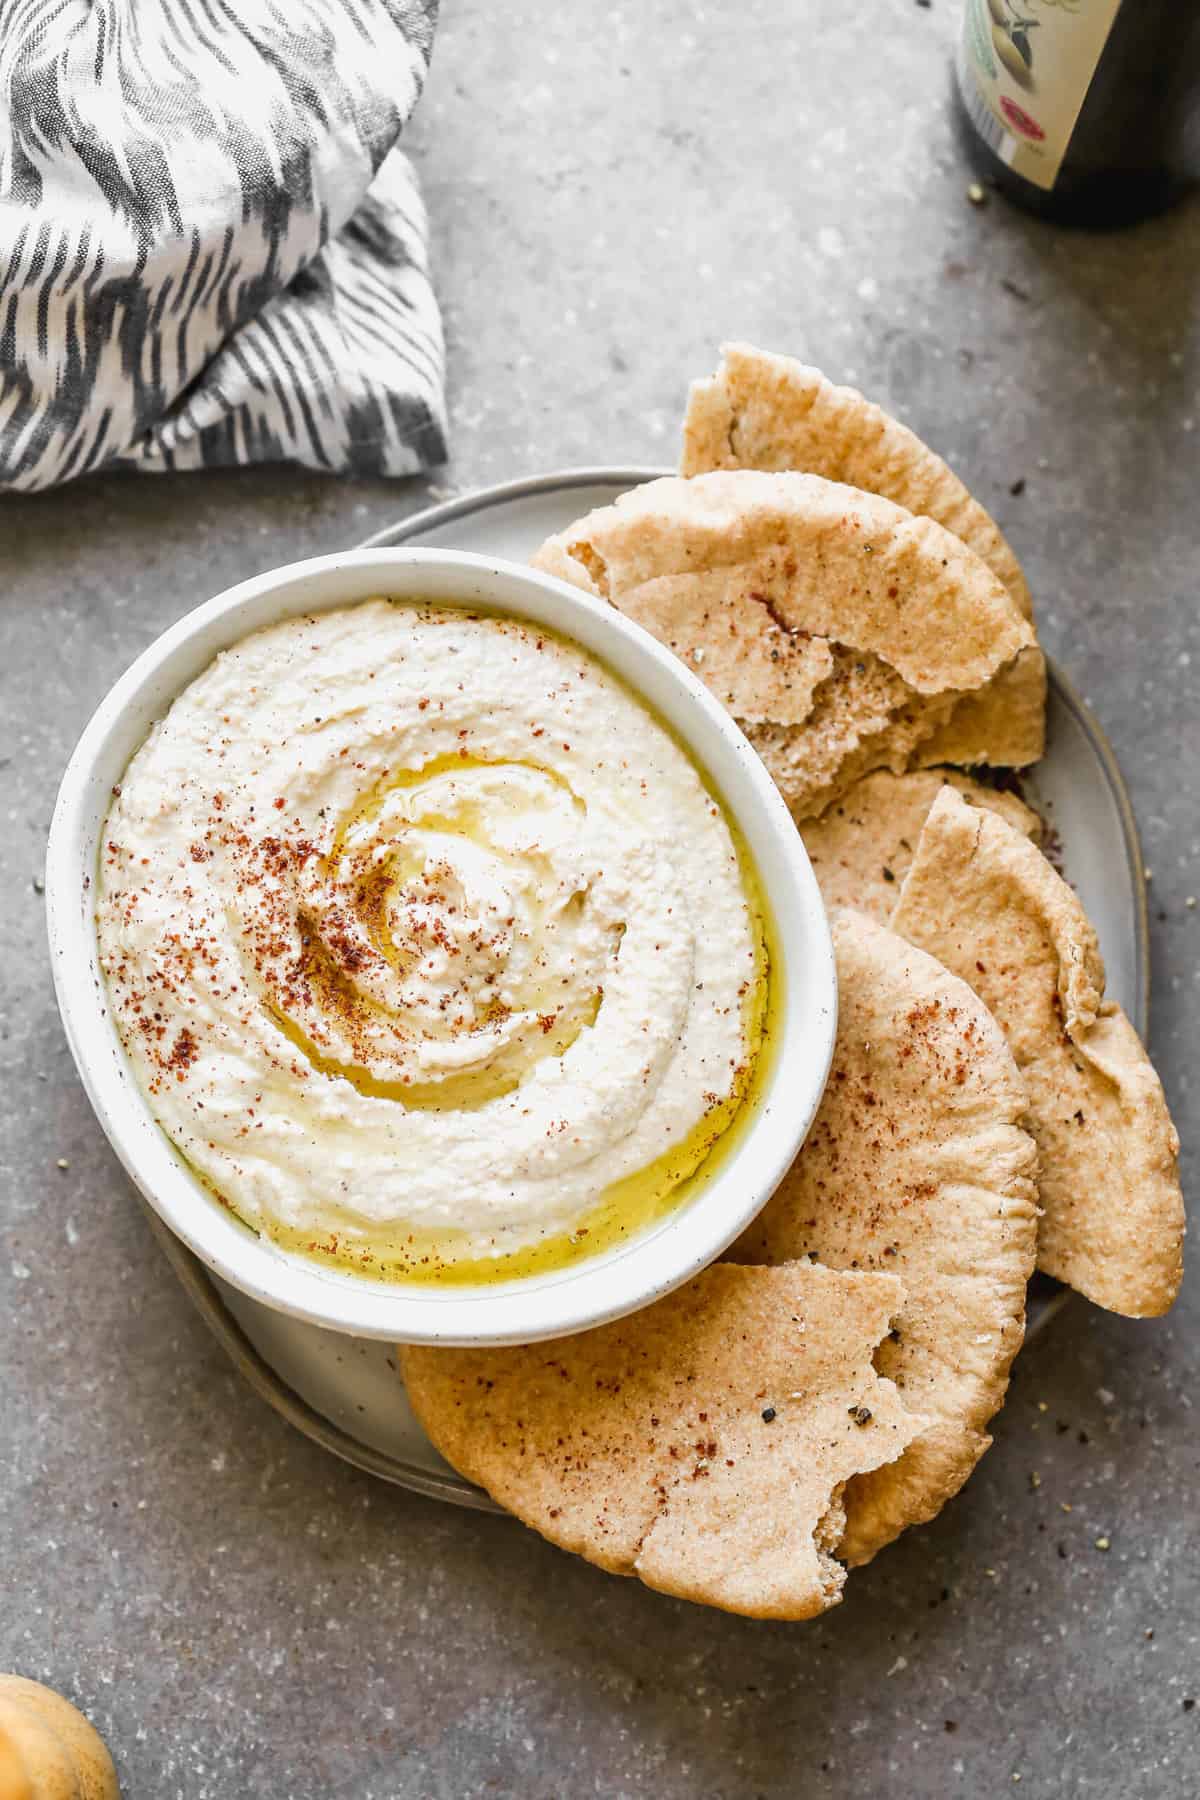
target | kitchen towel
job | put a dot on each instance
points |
(211, 251)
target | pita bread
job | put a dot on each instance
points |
(702, 1444)
(863, 719)
(761, 411)
(838, 629)
(1003, 726)
(986, 902)
(862, 846)
(916, 1164)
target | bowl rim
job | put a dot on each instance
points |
(588, 1293)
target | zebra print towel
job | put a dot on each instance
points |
(210, 250)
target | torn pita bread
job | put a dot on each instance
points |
(839, 630)
(916, 1164)
(861, 847)
(986, 902)
(702, 1444)
(1002, 727)
(761, 411)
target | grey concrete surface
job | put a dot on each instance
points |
(612, 193)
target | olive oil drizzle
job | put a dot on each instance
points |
(628, 1207)
(473, 1088)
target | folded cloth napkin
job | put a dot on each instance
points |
(210, 250)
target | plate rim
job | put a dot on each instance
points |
(196, 1280)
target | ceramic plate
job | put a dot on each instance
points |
(344, 1392)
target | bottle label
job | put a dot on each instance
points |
(1024, 68)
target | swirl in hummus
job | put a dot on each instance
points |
(428, 944)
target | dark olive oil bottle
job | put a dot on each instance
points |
(1084, 111)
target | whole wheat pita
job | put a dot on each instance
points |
(861, 847)
(985, 901)
(702, 1444)
(916, 1164)
(763, 411)
(837, 628)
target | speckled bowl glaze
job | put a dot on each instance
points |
(541, 1306)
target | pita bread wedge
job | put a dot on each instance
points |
(836, 627)
(702, 1444)
(916, 1164)
(761, 411)
(986, 902)
(861, 847)
(1003, 726)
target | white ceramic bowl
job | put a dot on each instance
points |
(534, 1307)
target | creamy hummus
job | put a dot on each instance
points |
(427, 942)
